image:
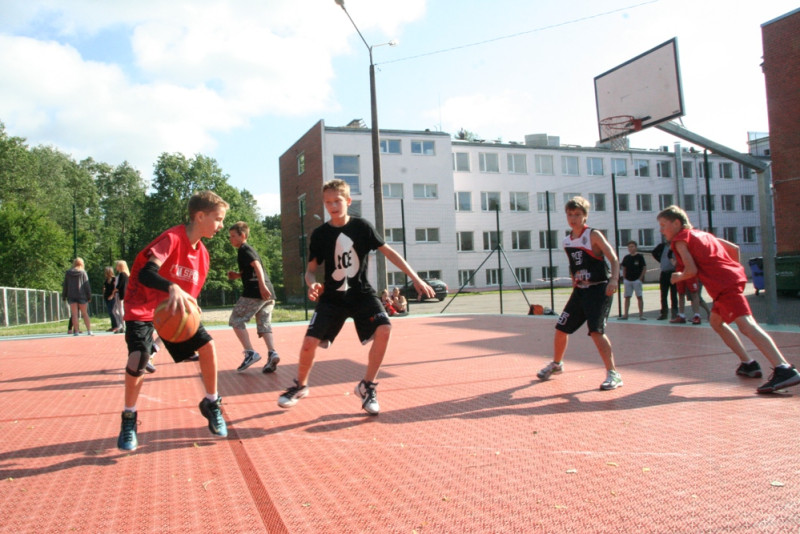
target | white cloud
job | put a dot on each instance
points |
(268, 203)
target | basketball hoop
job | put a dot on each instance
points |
(616, 129)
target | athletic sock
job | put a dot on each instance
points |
(783, 366)
(130, 409)
(212, 397)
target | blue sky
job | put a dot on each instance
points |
(241, 80)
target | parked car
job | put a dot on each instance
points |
(410, 292)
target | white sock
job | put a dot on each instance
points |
(212, 397)
(130, 409)
(784, 366)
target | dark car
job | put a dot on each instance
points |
(410, 292)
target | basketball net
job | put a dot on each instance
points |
(616, 129)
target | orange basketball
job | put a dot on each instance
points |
(176, 327)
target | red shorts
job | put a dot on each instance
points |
(731, 305)
(692, 285)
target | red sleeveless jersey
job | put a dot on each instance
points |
(180, 263)
(715, 268)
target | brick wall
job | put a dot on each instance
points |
(781, 41)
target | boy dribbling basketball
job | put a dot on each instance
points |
(715, 262)
(174, 266)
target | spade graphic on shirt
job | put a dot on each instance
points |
(346, 261)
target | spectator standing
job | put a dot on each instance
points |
(110, 297)
(77, 292)
(663, 256)
(634, 267)
(122, 284)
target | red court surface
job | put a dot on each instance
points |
(468, 440)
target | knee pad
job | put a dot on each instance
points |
(136, 363)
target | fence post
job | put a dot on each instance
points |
(5, 307)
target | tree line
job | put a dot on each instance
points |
(52, 206)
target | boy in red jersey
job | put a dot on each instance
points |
(592, 292)
(173, 266)
(716, 263)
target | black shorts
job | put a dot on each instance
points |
(139, 337)
(366, 311)
(588, 305)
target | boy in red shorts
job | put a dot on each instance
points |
(715, 262)
(689, 289)
(174, 266)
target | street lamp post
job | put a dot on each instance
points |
(377, 182)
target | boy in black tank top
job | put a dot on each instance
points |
(592, 293)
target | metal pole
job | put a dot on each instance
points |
(377, 182)
(405, 252)
(303, 253)
(499, 259)
(768, 242)
(549, 251)
(74, 231)
(616, 234)
(706, 169)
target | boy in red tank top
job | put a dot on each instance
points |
(716, 263)
(174, 267)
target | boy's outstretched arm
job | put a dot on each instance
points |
(689, 266)
(420, 285)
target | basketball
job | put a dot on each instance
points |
(176, 327)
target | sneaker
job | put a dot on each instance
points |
(696, 319)
(213, 412)
(292, 395)
(662, 316)
(642, 318)
(613, 381)
(193, 358)
(623, 319)
(680, 319)
(750, 370)
(89, 333)
(150, 368)
(272, 362)
(76, 333)
(782, 377)
(69, 332)
(250, 357)
(369, 398)
(552, 368)
(127, 440)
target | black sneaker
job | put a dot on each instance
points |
(272, 362)
(127, 440)
(369, 398)
(292, 395)
(213, 412)
(250, 357)
(782, 377)
(750, 370)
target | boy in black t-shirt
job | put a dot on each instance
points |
(343, 244)
(634, 267)
(258, 298)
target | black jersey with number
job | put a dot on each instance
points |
(344, 250)
(586, 268)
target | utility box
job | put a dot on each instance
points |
(787, 274)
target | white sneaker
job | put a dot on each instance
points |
(552, 368)
(369, 398)
(250, 357)
(613, 381)
(292, 395)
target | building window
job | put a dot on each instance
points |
(430, 275)
(701, 170)
(548, 241)
(465, 241)
(624, 236)
(687, 169)
(541, 201)
(749, 234)
(748, 203)
(521, 240)
(641, 167)
(622, 202)
(519, 201)
(594, 166)
(301, 163)
(466, 278)
(544, 164)
(489, 162)
(664, 169)
(726, 170)
(492, 277)
(688, 203)
(392, 190)
(393, 235)
(728, 202)
(548, 273)
(424, 148)
(664, 201)
(426, 235)
(390, 146)
(619, 166)
(570, 165)
(426, 191)
(461, 161)
(346, 168)
(463, 201)
(490, 200)
(644, 202)
(569, 196)
(517, 164)
(645, 237)
(396, 278)
(523, 275)
(490, 240)
(598, 201)
(707, 203)
(729, 234)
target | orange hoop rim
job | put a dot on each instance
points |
(627, 123)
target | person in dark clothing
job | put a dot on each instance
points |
(663, 255)
(77, 292)
(110, 297)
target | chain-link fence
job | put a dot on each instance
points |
(20, 306)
